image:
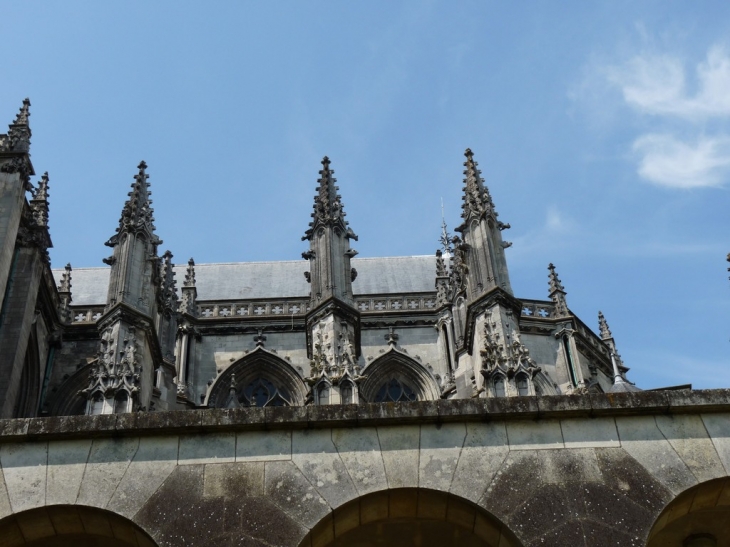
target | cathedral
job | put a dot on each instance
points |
(144, 333)
(327, 401)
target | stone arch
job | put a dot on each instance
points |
(30, 380)
(72, 526)
(396, 364)
(410, 516)
(258, 364)
(66, 400)
(698, 517)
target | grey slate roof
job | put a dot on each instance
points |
(254, 280)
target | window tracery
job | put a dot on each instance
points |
(394, 391)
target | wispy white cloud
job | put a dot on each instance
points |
(657, 84)
(668, 161)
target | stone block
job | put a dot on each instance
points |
(24, 468)
(14, 429)
(289, 417)
(534, 435)
(404, 412)
(399, 446)
(641, 438)
(207, 448)
(5, 508)
(233, 480)
(629, 403)
(108, 461)
(702, 400)
(564, 405)
(589, 432)
(359, 450)
(263, 446)
(244, 418)
(718, 427)
(512, 407)
(570, 466)
(153, 462)
(66, 466)
(440, 448)
(485, 448)
(316, 456)
(332, 415)
(35, 525)
(461, 409)
(688, 436)
(287, 487)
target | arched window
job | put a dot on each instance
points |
(499, 387)
(97, 403)
(346, 393)
(120, 402)
(323, 394)
(394, 391)
(261, 392)
(523, 388)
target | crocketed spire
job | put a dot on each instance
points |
(476, 199)
(18, 136)
(39, 203)
(167, 282)
(557, 292)
(189, 295)
(328, 209)
(603, 327)
(137, 214)
(190, 274)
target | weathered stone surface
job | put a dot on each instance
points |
(641, 438)
(359, 450)
(233, 480)
(688, 436)
(287, 487)
(261, 446)
(534, 435)
(154, 460)
(314, 453)
(519, 477)
(593, 433)
(207, 448)
(108, 461)
(5, 508)
(570, 466)
(546, 508)
(440, 448)
(612, 509)
(485, 448)
(400, 449)
(24, 468)
(718, 427)
(66, 466)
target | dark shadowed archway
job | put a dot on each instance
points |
(71, 526)
(410, 516)
(698, 517)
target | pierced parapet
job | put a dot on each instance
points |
(557, 293)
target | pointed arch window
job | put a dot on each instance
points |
(499, 388)
(394, 391)
(261, 392)
(97, 403)
(346, 393)
(323, 394)
(120, 402)
(523, 387)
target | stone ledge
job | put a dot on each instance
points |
(369, 414)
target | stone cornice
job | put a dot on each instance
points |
(318, 417)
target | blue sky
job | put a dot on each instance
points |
(601, 128)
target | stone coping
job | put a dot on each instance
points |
(312, 417)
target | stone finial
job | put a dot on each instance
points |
(557, 292)
(23, 114)
(65, 285)
(137, 213)
(190, 274)
(328, 208)
(18, 137)
(391, 337)
(168, 286)
(260, 339)
(476, 198)
(603, 327)
(39, 202)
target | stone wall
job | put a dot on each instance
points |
(571, 470)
